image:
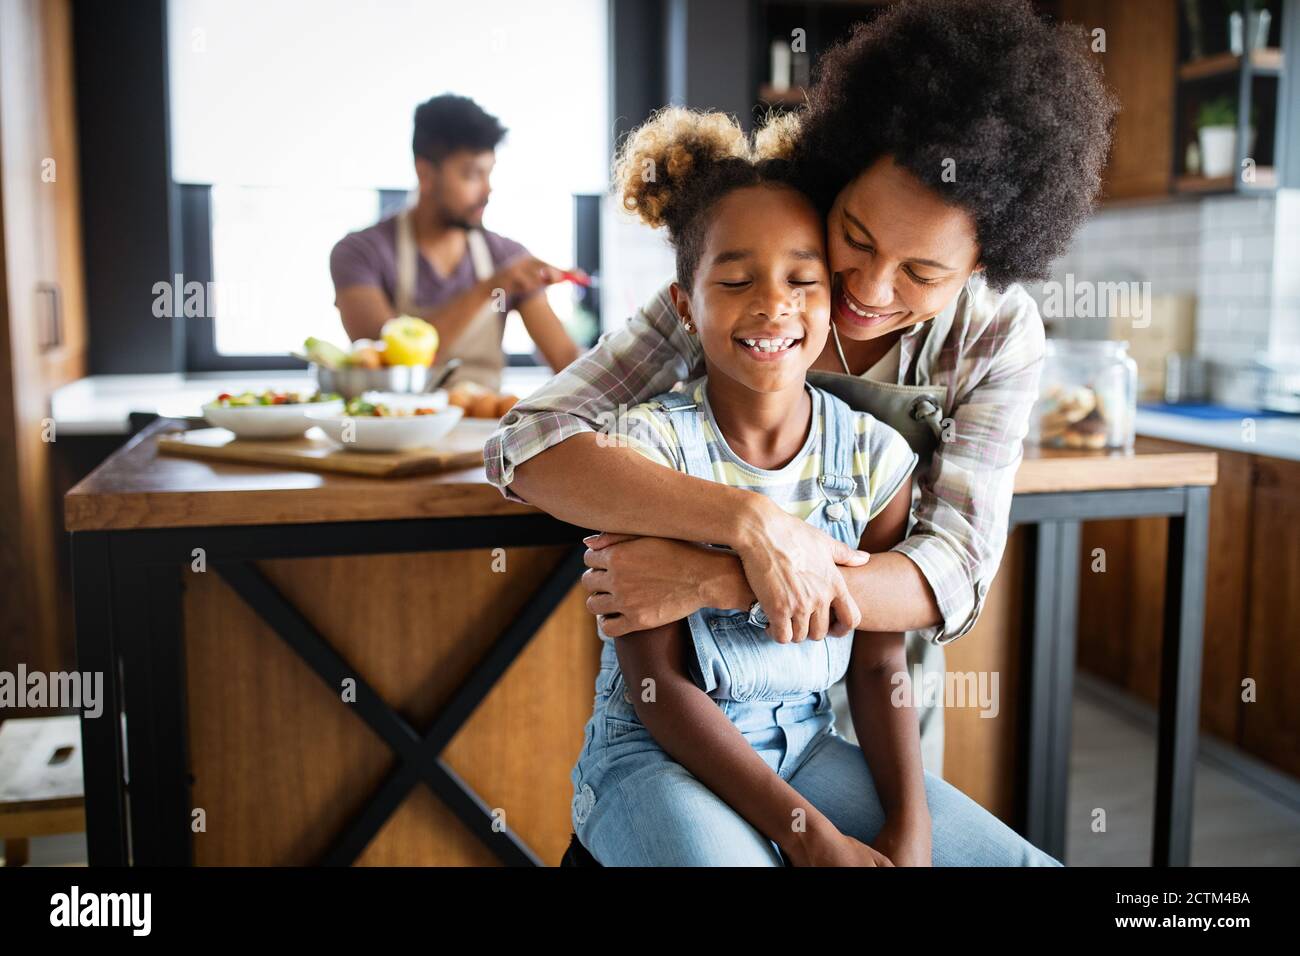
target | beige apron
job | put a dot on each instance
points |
(916, 412)
(479, 346)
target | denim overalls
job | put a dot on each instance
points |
(735, 659)
(776, 694)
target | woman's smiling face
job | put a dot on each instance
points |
(898, 252)
(760, 297)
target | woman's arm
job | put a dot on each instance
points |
(935, 580)
(641, 582)
(887, 729)
(965, 503)
(559, 449)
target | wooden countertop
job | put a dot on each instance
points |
(138, 488)
(1149, 465)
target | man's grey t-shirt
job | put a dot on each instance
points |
(368, 257)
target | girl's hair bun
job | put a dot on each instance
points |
(776, 138)
(676, 148)
(673, 168)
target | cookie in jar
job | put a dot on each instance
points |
(1088, 396)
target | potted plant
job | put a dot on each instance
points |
(1216, 131)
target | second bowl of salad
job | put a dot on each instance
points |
(389, 422)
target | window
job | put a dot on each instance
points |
(297, 115)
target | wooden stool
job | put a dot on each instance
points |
(41, 790)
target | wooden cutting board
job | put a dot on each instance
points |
(462, 447)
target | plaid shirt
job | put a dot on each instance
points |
(989, 365)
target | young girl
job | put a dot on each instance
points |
(711, 744)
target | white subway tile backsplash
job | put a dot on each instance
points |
(1228, 212)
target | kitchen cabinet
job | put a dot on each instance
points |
(1139, 59)
(42, 326)
(1270, 725)
(1251, 606)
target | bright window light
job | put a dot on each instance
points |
(297, 112)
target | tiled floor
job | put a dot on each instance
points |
(1112, 768)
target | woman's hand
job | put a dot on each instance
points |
(793, 569)
(637, 583)
(907, 843)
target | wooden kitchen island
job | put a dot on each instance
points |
(239, 614)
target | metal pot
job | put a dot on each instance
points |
(352, 381)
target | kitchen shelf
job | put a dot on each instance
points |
(1265, 178)
(1204, 184)
(794, 96)
(1261, 83)
(1266, 61)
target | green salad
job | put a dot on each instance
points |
(359, 407)
(273, 397)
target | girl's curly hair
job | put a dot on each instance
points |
(673, 168)
(1010, 104)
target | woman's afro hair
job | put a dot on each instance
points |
(1012, 106)
(674, 167)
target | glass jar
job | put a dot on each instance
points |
(1088, 396)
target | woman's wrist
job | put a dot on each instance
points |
(751, 518)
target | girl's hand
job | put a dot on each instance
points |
(637, 583)
(793, 569)
(907, 844)
(833, 848)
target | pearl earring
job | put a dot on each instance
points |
(688, 326)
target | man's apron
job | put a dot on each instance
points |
(479, 346)
(916, 412)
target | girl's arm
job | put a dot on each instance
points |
(694, 731)
(886, 726)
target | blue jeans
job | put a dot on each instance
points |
(634, 805)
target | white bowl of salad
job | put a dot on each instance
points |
(269, 413)
(381, 422)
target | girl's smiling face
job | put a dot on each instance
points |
(760, 297)
(899, 253)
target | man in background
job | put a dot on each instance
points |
(436, 261)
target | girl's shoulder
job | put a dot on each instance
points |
(684, 394)
(863, 424)
(875, 442)
(648, 426)
(882, 458)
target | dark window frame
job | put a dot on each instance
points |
(193, 202)
(194, 205)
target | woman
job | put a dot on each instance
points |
(954, 146)
(737, 741)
